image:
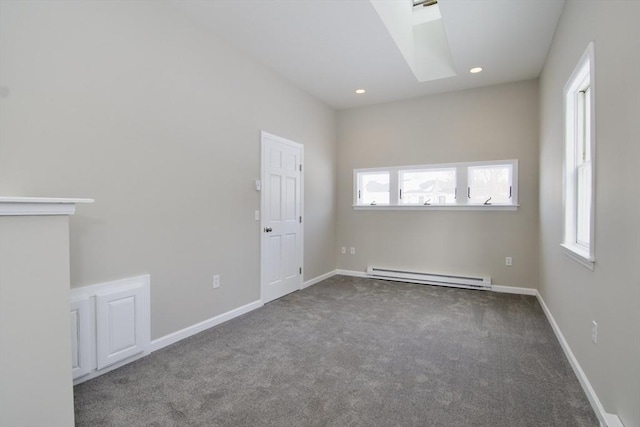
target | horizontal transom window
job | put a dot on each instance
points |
(470, 185)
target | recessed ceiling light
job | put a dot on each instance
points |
(360, 91)
(475, 70)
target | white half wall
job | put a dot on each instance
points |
(35, 344)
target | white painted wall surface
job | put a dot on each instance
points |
(492, 123)
(158, 120)
(610, 294)
(35, 344)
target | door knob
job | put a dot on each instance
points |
(268, 230)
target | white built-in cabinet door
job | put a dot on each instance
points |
(83, 359)
(109, 324)
(122, 324)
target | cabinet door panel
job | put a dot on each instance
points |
(121, 323)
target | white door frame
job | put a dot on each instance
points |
(263, 206)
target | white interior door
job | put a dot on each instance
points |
(281, 225)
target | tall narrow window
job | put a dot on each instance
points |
(579, 162)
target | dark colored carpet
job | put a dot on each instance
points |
(354, 352)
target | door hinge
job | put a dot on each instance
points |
(300, 270)
(300, 220)
(300, 168)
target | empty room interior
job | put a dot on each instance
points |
(345, 213)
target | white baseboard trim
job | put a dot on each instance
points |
(320, 278)
(330, 274)
(494, 288)
(606, 420)
(95, 374)
(513, 290)
(350, 273)
(612, 421)
(174, 337)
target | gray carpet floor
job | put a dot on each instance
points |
(354, 352)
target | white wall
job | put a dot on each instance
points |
(142, 109)
(492, 123)
(610, 295)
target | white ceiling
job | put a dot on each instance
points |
(330, 48)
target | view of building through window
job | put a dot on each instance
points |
(428, 186)
(490, 183)
(374, 188)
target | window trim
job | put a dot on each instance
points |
(394, 185)
(583, 74)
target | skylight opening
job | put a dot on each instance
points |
(419, 33)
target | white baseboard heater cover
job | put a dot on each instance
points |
(483, 283)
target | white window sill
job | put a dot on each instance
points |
(579, 255)
(435, 207)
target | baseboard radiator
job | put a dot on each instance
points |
(482, 283)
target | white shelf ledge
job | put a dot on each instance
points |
(22, 206)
